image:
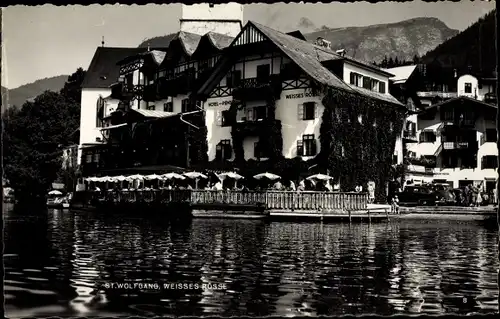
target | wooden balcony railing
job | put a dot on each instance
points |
(253, 89)
(278, 200)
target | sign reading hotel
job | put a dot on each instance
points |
(220, 103)
(307, 93)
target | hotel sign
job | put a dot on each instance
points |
(220, 103)
(307, 93)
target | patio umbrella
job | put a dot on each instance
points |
(320, 177)
(173, 176)
(267, 175)
(196, 176)
(152, 177)
(55, 192)
(232, 175)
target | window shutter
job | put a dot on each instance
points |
(300, 148)
(483, 161)
(316, 111)
(313, 147)
(421, 137)
(300, 111)
(219, 118)
(352, 78)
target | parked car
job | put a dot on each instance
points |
(418, 195)
(445, 194)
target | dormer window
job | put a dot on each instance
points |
(211, 5)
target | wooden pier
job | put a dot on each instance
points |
(238, 204)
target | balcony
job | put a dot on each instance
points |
(490, 98)
(410, 135)
(253, 128)
(469, 146)
(150, 93)
(182, 83)
(254, 89)
(443, 95)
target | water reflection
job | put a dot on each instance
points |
(65, 260)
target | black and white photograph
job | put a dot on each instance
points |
(265, 159)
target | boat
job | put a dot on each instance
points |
(56, 199)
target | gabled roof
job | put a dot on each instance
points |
(459, 99)
(188, 41)
(156, 56)
(103, 69)
(306, 55)
(220, 41)
(401, 73)
(212, 42)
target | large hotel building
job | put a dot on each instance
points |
(215, 65)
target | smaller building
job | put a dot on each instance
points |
(457, 139)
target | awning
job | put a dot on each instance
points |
(113, 126)
(154, 114)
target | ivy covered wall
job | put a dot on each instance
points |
(358, 137)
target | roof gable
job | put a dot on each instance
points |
(304, 54)
(103, 69)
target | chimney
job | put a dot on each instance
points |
(149, 47)
(324, 43)
(340, 52)
(102, 42)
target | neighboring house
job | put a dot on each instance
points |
(456, 138)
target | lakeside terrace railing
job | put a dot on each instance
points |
(279, 200)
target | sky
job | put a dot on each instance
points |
(45, 41)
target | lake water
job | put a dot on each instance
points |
(63, 263)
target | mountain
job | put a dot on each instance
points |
(17, 97)
(403, 39)
(472, 50)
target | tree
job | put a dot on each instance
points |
(34, 137)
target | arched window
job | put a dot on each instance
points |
(99, 112)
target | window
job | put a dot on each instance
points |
(258, 150)
(468, 88)
(355, 78)
(223, 150)
(96, 157)
(307, 111)
(263, 73)
(129, 79)
(394, 159)
(489, 161)
(168, 107)
(381, 87)
(88, 158)
(491, 135)
(233, 79)
(99, 112)
(186, 106)
(367, 83)
(226, 120)
(427, 137)
(150, 107)
(374, 85)
(306, 146)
